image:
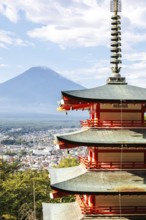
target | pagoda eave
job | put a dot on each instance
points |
(102, 137)
(81, 181)
(91, 101)
(109, 93)
(64, 144)
(75, 192)
(71, 107)
(63, 211)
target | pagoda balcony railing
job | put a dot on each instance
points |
(110, 210)
(111, 165)
(114, 210)
(113, 123)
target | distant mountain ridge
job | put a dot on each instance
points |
(37, 90)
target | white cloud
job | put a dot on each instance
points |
(97, 75)
(8, 38)
(135, 12)
(90, 76)
(77, 23)
(3, 65)
(135, 56)
(71, 23)
(68, 37)
(10, 10)
(83, 23)
(133, 68)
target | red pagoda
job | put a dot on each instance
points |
(110, 182)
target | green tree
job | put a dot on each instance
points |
(68, 162)
(7, 168)
(19, 190)
(22, 192)
(8, 217)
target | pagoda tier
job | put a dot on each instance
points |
(102, 137)
(71, 211)
(108, 193)
(109, 105)
(108, 148)
(125, 182)
(108, 93)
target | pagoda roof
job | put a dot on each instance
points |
(101, 182)
(72, 211)
(109, 93)
(61, 211)
(104, 137)
(63, 174)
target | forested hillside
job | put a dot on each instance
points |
(22, 192)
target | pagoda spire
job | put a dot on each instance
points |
(116, 44)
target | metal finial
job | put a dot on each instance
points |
(116, 6)
(116, 43)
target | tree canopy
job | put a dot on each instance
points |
(22, 193)
(68, 162)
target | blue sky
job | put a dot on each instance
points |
(71, 37)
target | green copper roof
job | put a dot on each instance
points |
(110, 92)
(63, 174)
(105, 137)
(72, 211)
(62, 211)
(105, 182)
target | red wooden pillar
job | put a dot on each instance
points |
(92, 157)
(91, 201)
(85, 198)
(142, 118)
(98, 113)
(89, 155)
(142, 113)
(144, 157)
(96, 150)
(92, 112)
(95, 114)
